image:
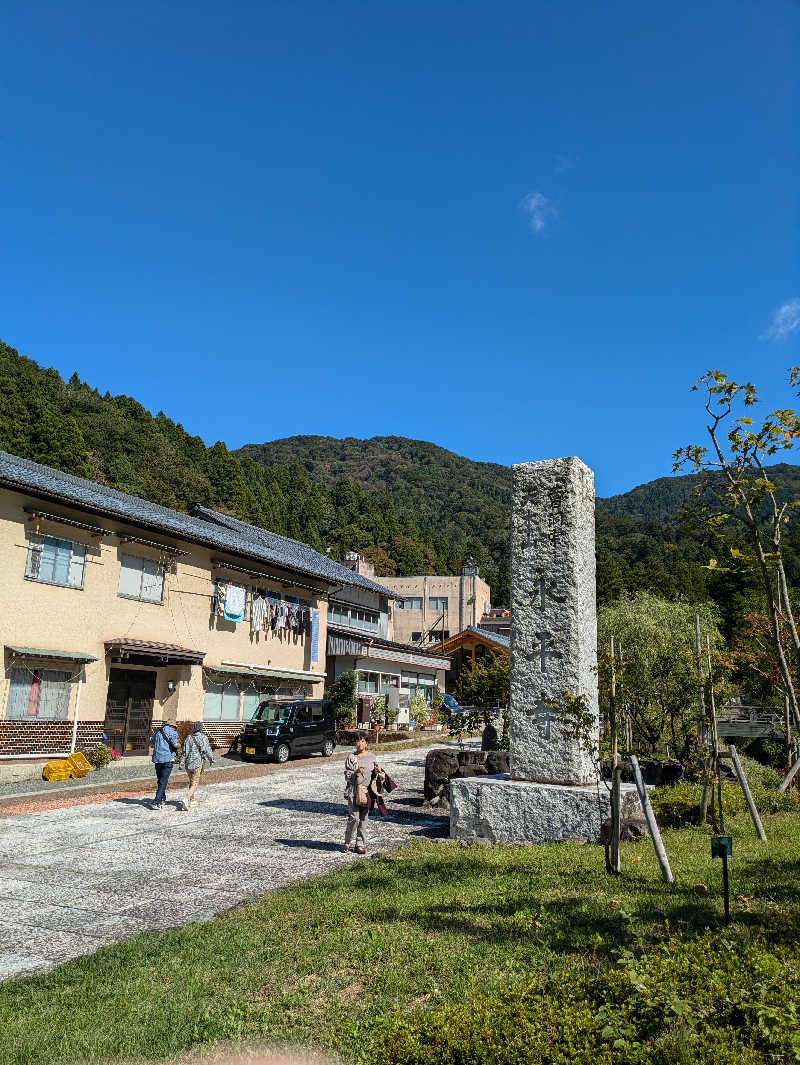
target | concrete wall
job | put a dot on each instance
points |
(52, 617)
(467, 600)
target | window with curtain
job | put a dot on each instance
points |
(221, 702)
(368, 683)
(438, 602)
(250, 700)
(413, 602)
(42, 694)
(140, 578)
(339, 614)
(55, 561)
(363, 619)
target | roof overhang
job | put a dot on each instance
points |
(158, 654)
(38, 652)
(406, 657)
(255, 670)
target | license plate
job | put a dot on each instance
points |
(249, 750)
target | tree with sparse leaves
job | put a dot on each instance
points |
(735, 491)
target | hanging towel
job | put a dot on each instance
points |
(258, 614)
(235, 602)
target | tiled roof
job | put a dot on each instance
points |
(282, 546)
(231, 535)
(495, 637)
(391, 645)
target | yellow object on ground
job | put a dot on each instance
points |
(58, 769)
(80, 764)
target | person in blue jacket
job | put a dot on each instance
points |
(164, 742)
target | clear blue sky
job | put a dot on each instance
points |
(518, 230)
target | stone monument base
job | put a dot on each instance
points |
(503, 810)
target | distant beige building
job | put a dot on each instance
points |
(434, 608)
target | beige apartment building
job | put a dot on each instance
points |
(119, 614)
(435, 608)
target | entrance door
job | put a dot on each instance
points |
(129, 710)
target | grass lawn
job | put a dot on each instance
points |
(427, 954)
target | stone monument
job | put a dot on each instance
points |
(553, 791)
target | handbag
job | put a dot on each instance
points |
(361, 795)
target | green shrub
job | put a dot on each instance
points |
(680, 804)
(703, 1001)
(343, 693)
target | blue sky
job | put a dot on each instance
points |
(518, 230)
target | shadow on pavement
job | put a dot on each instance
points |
(311, 844)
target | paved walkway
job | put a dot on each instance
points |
(75, 879)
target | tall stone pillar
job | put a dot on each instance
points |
(553, 791)
(554, 629)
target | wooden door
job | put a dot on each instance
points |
(129, 710)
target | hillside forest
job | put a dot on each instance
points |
(409, 506)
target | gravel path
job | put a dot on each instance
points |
(75, 879)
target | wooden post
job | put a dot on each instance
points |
(737, 765)
(652, 824)
(787, 780)
(615, 770)
(787, 726)
(701, 707)
(714, 742)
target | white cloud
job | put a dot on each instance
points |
(785, 321)
(539, 210)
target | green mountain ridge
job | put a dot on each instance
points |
(409, 506)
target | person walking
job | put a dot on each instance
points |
(358, 770)
(196, 747)
(164, 742)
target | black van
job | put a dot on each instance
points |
(279, 730)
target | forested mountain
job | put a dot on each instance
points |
(409, 506)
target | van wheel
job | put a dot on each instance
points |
(327, 748)
(282, 753)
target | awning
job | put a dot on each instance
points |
(39, 652)
(157, 654)
(254, 670)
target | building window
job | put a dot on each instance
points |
(422, 680)
(389, 680)
(416, 637)
(363, 619)
(221, 702)
(338, 613)
(413, 602)
(42, 694)
(368, 683)
(354, 617)
(139, 578)
(438, 602)
(437, 636)
(55, 561)
(251, 700)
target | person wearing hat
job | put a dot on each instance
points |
(164, 742)
(195, 748)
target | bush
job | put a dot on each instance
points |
(705, 1001)
(343, 693)
(418, 708)
(679, 804)
(99, 756)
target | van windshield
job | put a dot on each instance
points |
(273, 713)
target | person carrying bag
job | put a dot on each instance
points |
(358, 770)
